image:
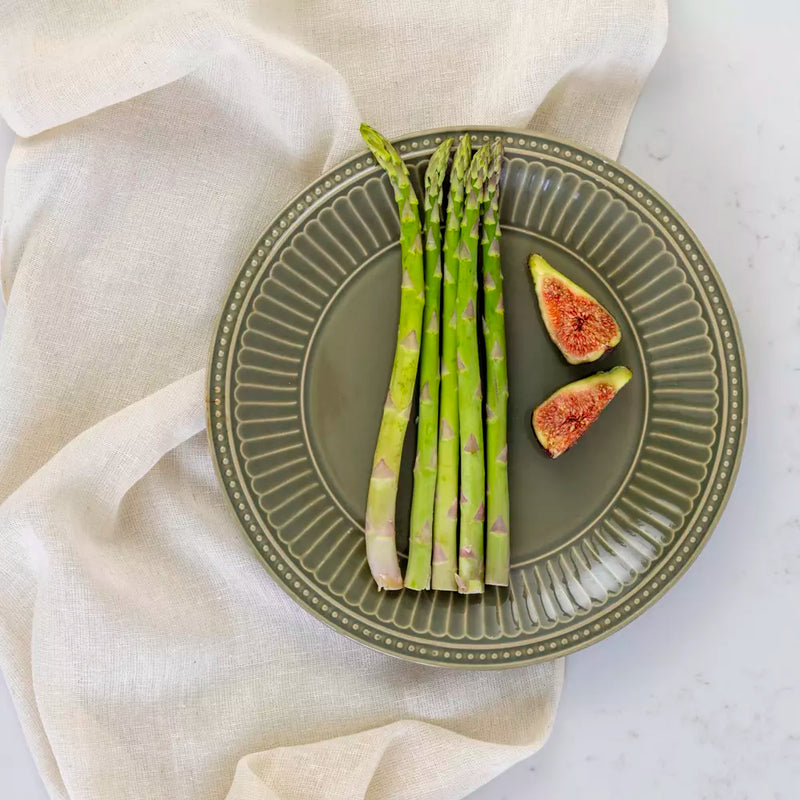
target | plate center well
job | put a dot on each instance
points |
(552, 501)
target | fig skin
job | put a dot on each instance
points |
(581, 327)
(561, 420)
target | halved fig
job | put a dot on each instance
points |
(581, 328)
(567, 414)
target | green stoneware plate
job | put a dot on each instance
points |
(298, 374)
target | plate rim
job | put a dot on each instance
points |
(665, 585)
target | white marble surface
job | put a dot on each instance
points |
(699, 697)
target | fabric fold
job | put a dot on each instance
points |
(375, 764)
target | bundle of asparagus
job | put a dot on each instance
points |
(458, 483)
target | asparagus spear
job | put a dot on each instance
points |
(418, 572)
(470, 396)
(494, 337)
(382, 496)
(445, 519)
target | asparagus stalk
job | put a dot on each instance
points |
(494, 338)
(470, 395)
(382, 495)
(418, 572)
(445, 518)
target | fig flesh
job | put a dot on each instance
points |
(568, 413)
(581, 328)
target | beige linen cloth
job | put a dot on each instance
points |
(148, 652)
